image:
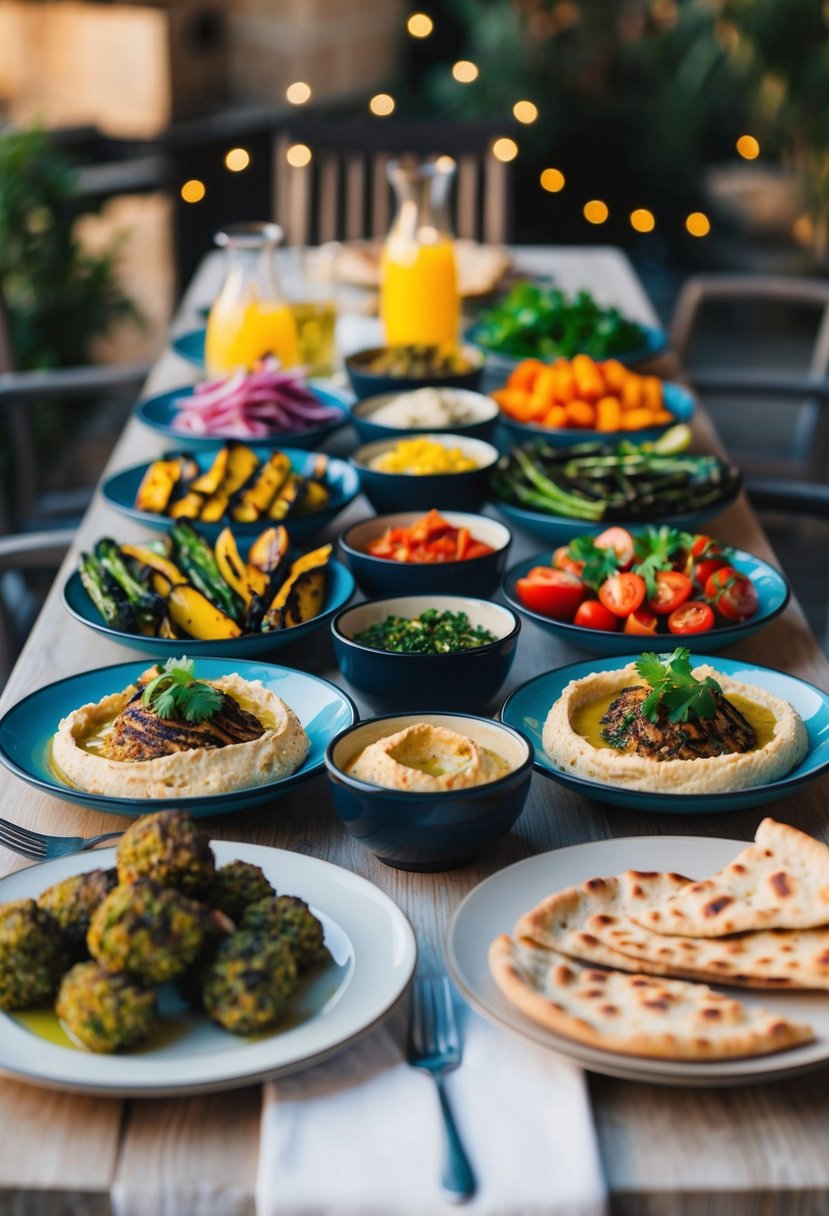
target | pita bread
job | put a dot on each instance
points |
(635, 1014)
(779, 882)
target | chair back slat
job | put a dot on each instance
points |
(466, 222)
(354, 225)
(329, 197)
(380, 195)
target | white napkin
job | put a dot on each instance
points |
(361, 1135)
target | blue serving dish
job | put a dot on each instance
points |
(773, 593)
(190, 345)
(379, 576)
(27, 728)
(340, 588)
(430, 831)
(527, 707)
(412, 492)
(499, 365)
(120, 490)
(158, 413)
(677, 400)
(467, 680)
(368, 430)
(370, 384)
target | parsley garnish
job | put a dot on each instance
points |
(656, 549)
(674, 687)
(600, 561)
(175, 693)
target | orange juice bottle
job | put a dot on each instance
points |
(419, 299)
(249, 318)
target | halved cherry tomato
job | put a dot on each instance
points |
(622, 593)
(555, 593)
(590, 614)
(672, 589)
(640, 622)
(704, 546)
(563, 561)
(691, 617)
(705, 568)
(620, 541)
(732, 594)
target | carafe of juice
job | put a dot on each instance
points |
(419, 301)
(249, 318)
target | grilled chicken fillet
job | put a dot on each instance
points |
(626, 728)
(138, 733)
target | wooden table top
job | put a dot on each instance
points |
(723, 1151)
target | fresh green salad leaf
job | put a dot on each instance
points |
(175, 692)
(674, 687)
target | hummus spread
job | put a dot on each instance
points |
(77, 750)
(783, 747)
(426, 759)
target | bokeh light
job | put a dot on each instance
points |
(298, 155)
(552, 180)
(193, 191)
(420, 25)
(596, 211)
(237, 159)
(464, 71)
(748, 147)
(525, 111)
(505, 149)
(642, 220)
(698, 223)
(298, 93)
(382, 104)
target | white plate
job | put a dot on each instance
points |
(374, 954)
(495, 905)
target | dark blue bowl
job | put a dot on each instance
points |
(430, 831)
(368, 430)
(467, 680)
(158, 413)
(120, 490)
(478, 576)
(370, 384)
(412, 491)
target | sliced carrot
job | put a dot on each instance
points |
(564, 383)
(636, 420)
(525, 374)
(589, 384)
(580, 414)
(652, 392)
(614, 374)
(608, 414)
(632, 392)
(557, 416)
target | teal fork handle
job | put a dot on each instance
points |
(458, 1179)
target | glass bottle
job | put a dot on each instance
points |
(419, 300)
(249, 318)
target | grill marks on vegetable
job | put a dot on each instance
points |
(138, 732)
(627, 728)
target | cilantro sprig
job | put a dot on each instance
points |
(600, 561)
(673, 687)
(656, 549)
(176, 693)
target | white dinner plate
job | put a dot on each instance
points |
(495, 905)
(373, 958)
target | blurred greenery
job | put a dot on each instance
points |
(58, 296)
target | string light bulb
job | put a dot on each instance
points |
(748, 147)
(298, 93)
(642, 220)
(193, 191)
(382, 104)
(298, 155)
(237, 159)
(420, 25)
(465, 71)
(595, 211)
(698, 223)
(505, 149)
(525, 111)
(552, 180)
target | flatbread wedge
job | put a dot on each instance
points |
(595, 922)
(779, 882)
(636, 1015)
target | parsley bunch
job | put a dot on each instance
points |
(656, 549)
(176, 693)
(674, 687)
(600, 561)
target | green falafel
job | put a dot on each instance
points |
(170, 849)
(103, 1011)
(249, 983)
(72, 903)
(237, 885)
(150, 931)
(31, 954)
(290, 917)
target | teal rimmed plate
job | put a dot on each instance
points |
(339, 590)
(158, 413)
(527, 707)
(341, 478)
(773, 594)
(27, 728)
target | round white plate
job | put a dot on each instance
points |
(374, 954)
(495, 905)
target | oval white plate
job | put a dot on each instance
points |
(374, 955)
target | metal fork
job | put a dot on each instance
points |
(39, 847)
(434, 1045)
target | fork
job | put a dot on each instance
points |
(434, 1045)
(39, 847)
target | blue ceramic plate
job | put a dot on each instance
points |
(27, 728)
(339, 591)
(678, 401)
(158, 413)
(190, 345)
(342, 479)
(772, 589)
(527, 707)
(655, 341)
(558, 529)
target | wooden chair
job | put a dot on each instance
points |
(343, 194)
(35, 553)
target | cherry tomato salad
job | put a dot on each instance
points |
(659, 580)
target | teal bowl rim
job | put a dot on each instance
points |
(438, 595)
(388, 563)
(524, 768)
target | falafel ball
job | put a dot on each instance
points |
(31, 954)
(217, 927)
(72, 903)
(289, 917)
(237, 885)
(249, 982)
(150, 931)
(105, 1012)
(170, 849)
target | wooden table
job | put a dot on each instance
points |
(758, 1150)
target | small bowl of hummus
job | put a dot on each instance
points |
(429, 791)
(423, 411)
